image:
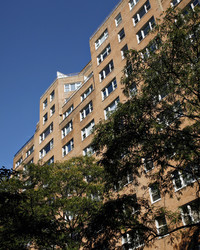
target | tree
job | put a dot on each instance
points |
(157, 127)
(49, 206)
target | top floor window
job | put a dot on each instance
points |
(52, 95)
(132, 3)
(118, 19)
(72, 86)
(44, 103)
(101, 39)
(138, 16)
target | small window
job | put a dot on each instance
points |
(109, 68)
(44, 104)
(68, 147)
(101, 39)
(50, 161)
(109, 89)
(85, 132)
(101, 57)
(129, 242)
(148, 164)
(52, 95)
(154, 192)
(161, 225)
(142, 33)
(45, 118)
(118, 19)
(86, 93)
(121, 35)
(86, 111)
(111, 108)
(52, 110)
(132, 3)
(46, 149)
(123, 51)
(46, 132)
(68, 112)
(67, 129)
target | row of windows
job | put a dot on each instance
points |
(28, 152)
(51, 97)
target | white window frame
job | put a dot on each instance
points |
(192, 6)
(121, 35)
(86, 111)
(52, 96)
(67, 129)
(154, 192)
(87, 93)
(43, 134)
(123, 51)
(101, 39)
(108, 108)
(52, 110)
(68, 147)
(191, 213)
(68, 112)
(72, 86)
(30, 151)
(45, 118)
(141, 34)
(160, 226)
(132, 3)
(175, 2)
(45, 103)
(105, 93)
(106, 71)
(104, 53)
(118, 19)
(87, 130)
(137, 17)
(88, 151)
(44, 151)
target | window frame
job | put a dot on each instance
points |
(52, 110)
(45, 104)
(67, 129)
(154, 192)
(68, 112)
(43, 135)
(106, 71)
(121, 35)
(83, 112)
(101, 39)
(104, 53)
(87, 130)
(107, 109)
(118, 19)
(105, 93)
(67, 146)
(132, 3)
(139, 15)
(46, 149)
(148, 26)
(52, 96)
(87, 93)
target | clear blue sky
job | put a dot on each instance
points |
(39, 38)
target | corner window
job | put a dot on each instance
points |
(101, 57)
(109, 89)
(121, 35)
(109, 68)
(118, 19)
(44, 104)
(101, 39)
(154, 192)
(142, 33)
(68, 147)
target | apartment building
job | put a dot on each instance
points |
(74, 103)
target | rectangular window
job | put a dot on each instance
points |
(109, 89)
(46, 149)
(190, 212)
(86, 93)
(45, 118)
(72, 86)
(101, 57)
(30, 151)
(142, 33)
(148, 164)
(68, 112)
(85, 132)
(45, 104)
(86, 111)
(161, 225)
(67, 129)
(52, 95)
(111, 108)
(123, 51)
(68, 147)
(50, 161)
(132, 3)
(138, 16)
(175, 2)
(109, 68)
(88, 151)
(129, 242)
(121, 35)
(154, 192)
(194, 3)
(18, 162)
(46, 132)
(52, 110)
(118, 19)
(101, 39)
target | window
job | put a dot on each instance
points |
(30, 151)
(18, 162)
(123, 51)
(44, 104)
(132, 89)
(50, 161)
(148, 164)
(132, 3)
(145, 29)
(138, 16)
(67, 129)
(111, 108)
(101, 57)
(72, 86)
(46, 149)
(86, 93)
(46, 132)
(109, 89)
(132, 240)
(121, 35)
(175, 2)
(128, 178)
(154, 192)
(161, 225)
(85, 132)
(68, 147)
(190, 212)
(86, 111)
(45, 118)
(52, 110)
(68, 112)
(151, 48)
(118, 19)
(88, 151)
(101, 39)
(52, 95)
(194, 3)
(109, 67)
